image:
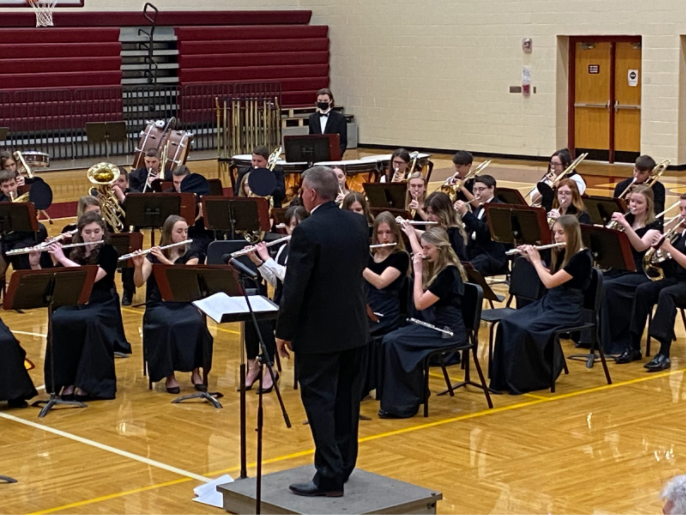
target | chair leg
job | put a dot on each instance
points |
(295, 375)
(603, 358)
(481, 377)
(491, 347)
(446, 378)
(426, 404)
(648, 337)
(277, 361)
(684, 321)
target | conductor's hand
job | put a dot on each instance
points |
(283, 348)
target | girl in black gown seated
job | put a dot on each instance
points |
(273, 271)
(524, 340)
(567, 201)
(84, 336)
(439, 209)
(15, 383)
(641, 228)
(437, 291)
(416, 195)
(174, 334)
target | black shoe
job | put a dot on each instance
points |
(173, 390)
(383, 414)
(82, 397)
(67, 397)
(126, 298)
(270, 388)
(18, 403)
(310, 489)
(658, 363)
(629, 355)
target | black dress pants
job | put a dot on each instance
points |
(645, 297)
(662, 326)
(330, 390)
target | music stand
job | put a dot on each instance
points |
(51, 289)
(604, 244)
(386, 195)
(126, 243)
(4, 132)
(19, 216)
(106, 132)
(311, 148)
(510, 196)
(150, 210)
(517, 225)
(601, 209)
(234, 214)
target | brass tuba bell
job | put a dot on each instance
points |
(104, 175)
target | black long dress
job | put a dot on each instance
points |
(85, 336)
(457, 243)
(174, 334)
(619, 289)
(15, 382)
(523, 346)
(402, 389)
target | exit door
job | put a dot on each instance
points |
(605, 87)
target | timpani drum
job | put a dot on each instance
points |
(357, 172)
(178, 145)
(152, 137)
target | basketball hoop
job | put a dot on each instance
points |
(43, 10)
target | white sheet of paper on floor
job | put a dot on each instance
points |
(208, 494)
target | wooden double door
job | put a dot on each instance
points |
(605, 97)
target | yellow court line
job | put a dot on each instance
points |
(29, 333)
(535, 401)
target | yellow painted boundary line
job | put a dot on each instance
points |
(536, 400)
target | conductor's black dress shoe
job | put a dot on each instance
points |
(629, 355)
(658, 363)
(310, 489)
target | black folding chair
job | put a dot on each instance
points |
(472, 309)
(592, 305)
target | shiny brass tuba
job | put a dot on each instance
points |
(104, 175)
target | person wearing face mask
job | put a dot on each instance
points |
(485, 255)
(328, 121)
(522, 360)
(643, 167)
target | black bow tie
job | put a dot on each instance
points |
(324, 115)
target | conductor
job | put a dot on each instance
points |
(322, 317)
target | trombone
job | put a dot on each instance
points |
(451, 187)
(551, 179)
(654, 175)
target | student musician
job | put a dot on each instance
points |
(440, 210)
(558, 162)
(328, 121)
(259, 160)
(7, 162)
(641, 228)
(16, 385)
(462, 163)
(121, 188)
(356, 202)
(343, 187)
(175, 335)
(567, 201)
(273, 272)
(141, 179)
(668, 294)
(644, 165)
(85, 336)
(398, 168)
(416, 195)
(438, 286)
(522, 350)
(486, 256)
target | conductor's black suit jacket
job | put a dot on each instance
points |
(323, 305)
(336, 124)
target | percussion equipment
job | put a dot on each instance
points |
(358, 171)
(512, 252)
(446, 332)
(142, 252)
(152, 137)
(104, 175)
(177, 147)
(253, 248)
(161, 134)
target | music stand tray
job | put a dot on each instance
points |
(19, 216)
(51, 289)
(126, 243)
(517, 225)
(601, 209)
(312, 148)
(510, 196)
(236, 213)
(386, 195)
(106, 132)
(604, 244)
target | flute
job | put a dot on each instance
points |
(377, 246)
(511, 252)
(412, 320)
(401, 220)
(40, 248)
(254, 247)
(141, 252)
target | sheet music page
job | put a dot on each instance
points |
(217, 305)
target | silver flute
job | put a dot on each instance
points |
(511, 252)
(40, 248)
(254, 247)
(401, 220)
(142, 252)
(430, 326)
(377, 246)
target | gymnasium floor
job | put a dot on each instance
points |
(588, 448)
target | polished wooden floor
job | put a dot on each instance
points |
(588, 448)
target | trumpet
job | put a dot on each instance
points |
(41, 247)
(252, 248)
(550, 178)
(379, 246)
(653, 260)
(512, 252)
(446, 332)
(147, 251)
(401, 220)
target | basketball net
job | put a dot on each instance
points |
(43, 9)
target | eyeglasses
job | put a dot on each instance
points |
(554, 164)
(566, 194)
(479, 188)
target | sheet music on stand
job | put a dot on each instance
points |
(222, 308)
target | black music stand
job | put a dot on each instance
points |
(106, 132)
(51, 289)
(386, 195)
(517, 225)
(150, 210)
(510, 196)
(234, 214)
(601, 209)
(4, 132)
(604, 244)
(311, 148)
(20, 216)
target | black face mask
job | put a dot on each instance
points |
(324, 106)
